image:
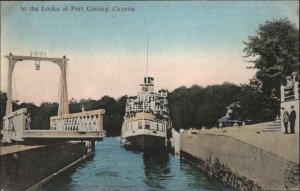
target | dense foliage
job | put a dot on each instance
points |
(199, 107)
(275, 49)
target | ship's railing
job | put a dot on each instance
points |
(84, 121)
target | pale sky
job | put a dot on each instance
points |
(190, 42)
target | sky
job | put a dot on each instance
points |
(189, 42)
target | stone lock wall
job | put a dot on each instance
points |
(239, 164)
(21, 170)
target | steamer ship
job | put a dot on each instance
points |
(147, 125)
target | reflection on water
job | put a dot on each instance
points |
(114, 168)
(157, 169)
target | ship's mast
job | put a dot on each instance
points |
(147, 86)
(147, 55)
(147, 77)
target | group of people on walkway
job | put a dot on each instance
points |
(289, 118)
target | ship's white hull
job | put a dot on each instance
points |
(145, 143)
(137, 137)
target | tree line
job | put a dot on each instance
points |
(195, 107)
(275, 53)
(199, 107)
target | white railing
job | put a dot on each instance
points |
(84, 121)
(290, 93)
(90, 123)
(15, 121)
(14, 125)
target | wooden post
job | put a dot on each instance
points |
(9, 102)
(63, 100)
(282, 93)
(62, 62)
(296, 90)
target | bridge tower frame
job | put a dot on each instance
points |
(61, 62)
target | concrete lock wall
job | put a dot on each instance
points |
(21, 170)
(239, 164)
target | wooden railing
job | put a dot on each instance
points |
(14, 125)
(84, 121)
(84, 126)
(290, 93)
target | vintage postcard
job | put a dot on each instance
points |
(149, 95)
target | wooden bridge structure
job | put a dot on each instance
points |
(87, 125)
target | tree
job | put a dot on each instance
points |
(276, 52)
(3, 100)
(217, 98)
(197, 106)
(179, 108)
(254, 105)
